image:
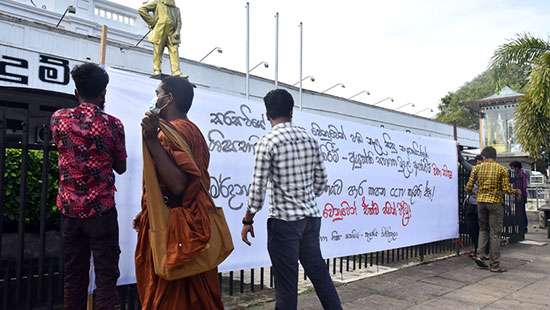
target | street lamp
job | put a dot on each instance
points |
(359, 93)
(215, 49)
(310, 77)
(266, 65)
(333, 86)
(380, 101)
(70, 9)
(405, 105)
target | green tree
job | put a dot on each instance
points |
(452, 109)
(532, 116)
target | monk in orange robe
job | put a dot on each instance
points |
(179, 176)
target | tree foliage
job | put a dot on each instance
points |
(532, 117)
(452, 109)
(12, 177)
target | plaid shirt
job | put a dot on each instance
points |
(89, 141)
(492, 181)
(290, 160)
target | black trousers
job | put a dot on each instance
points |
(522, 213)
(97, 236)
(288, 242)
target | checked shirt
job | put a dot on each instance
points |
(492, 181)
(89, 141)
(289, 165)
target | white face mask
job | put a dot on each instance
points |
(153, 105)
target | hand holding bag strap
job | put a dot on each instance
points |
(174, 136)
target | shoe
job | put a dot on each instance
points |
(498, 269)
(480, 263)
(484, 257)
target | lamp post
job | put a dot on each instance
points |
(333, 86)
(310, 77)
(266, 65)
(276, 49)
(215, 49)
(70, 9)
(405, 105)
(382, 100)
(359, 93)
(301, 25)
(247, 82)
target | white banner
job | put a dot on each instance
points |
(386, 189)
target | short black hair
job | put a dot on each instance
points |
(516, 165)
(278, 103)
(182, 91)
(489, 152)
(90, 80)
(478, 158)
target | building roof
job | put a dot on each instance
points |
(505, 96)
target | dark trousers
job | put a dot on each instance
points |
(522, 213)
(97, 236)
(288, 242)
(472, 223)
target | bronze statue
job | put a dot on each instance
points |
(164, 20)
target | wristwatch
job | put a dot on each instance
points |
(245, 222)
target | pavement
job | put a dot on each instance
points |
(453, 283)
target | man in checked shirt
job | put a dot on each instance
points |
(288, 161)
(492, 181)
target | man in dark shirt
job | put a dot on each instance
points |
(520, 181)
(90, 145)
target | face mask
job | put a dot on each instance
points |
(153, 105)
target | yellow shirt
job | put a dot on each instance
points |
(492, 181)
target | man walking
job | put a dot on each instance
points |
(492, 181)
(288, 161)
(90, 145)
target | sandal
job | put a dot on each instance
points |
(481, 264)
(499, 270)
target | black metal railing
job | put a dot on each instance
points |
(31, 260)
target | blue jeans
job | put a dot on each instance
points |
(288, 242)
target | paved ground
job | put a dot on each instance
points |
(453, 283)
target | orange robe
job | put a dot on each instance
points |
(188, 223)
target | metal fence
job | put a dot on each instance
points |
(31, 272)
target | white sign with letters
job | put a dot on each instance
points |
(386, 189)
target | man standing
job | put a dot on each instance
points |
(165, 25)
(90, 145)
(492, 181)
(520, 181)
(288, 159)
(181, 174)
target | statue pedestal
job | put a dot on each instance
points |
(159, 77)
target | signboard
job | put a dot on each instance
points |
(22, 68)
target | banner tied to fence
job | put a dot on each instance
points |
(386, 189)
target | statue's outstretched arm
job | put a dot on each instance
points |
(145, 12)
(178, 23)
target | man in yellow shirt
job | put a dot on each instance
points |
(492, 181)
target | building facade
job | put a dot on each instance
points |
(36, 57)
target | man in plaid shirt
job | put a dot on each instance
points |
(288, 161)
(492, 181)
